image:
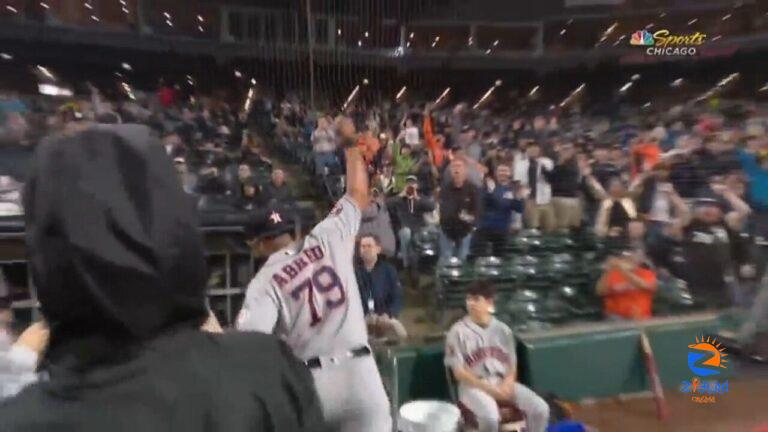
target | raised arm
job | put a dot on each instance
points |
(357, 174)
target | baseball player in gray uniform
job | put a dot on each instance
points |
(480, 350)
(307, 293)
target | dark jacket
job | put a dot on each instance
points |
(498, 207)
(282, 196)
(452, 201)
(118, 263)
(604, 172)
(410, 211)
(564, 179)
(380, 285)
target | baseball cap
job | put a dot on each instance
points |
(709, 201)
(411, 178)
(268, 224)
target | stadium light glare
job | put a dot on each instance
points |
(238, 74)
(88, 5)
(125, 10)
(46, 72)
(562, 32)
(6, 56)
(533, 91)
(400, 93)
(442, 96)
(126, 66)
(350, 98)
(726, 17)
(487, 94)
(12, 9)
(693, 21)
(718, 37)
(200, 18)
(44, 5)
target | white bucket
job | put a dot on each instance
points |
(429, 416)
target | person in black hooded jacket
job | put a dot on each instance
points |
(118, 263)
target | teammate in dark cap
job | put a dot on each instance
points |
(117, 260)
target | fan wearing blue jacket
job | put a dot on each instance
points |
(500, 199)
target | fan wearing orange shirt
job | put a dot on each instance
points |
(627, 287)
(645, 155)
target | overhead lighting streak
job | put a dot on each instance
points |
(400, 93)
(442, 96)
(350, 98)
(46, 72)
(533, 91)
(573, 95)
(487, 94)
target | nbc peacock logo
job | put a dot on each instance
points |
(642, 38)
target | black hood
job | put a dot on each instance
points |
(113, 242)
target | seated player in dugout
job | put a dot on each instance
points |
(480, 351)
(118, 262)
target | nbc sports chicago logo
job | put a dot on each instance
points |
(664, 43)
(706, 358)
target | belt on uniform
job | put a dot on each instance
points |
(317, 362)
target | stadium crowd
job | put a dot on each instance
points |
(673, 195)
(679, 193)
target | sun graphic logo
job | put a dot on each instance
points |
(642, 38)
(706, 357)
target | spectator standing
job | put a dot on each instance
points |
(532, 171)
(615, 212)
(324, 146)
(704, 250)
(377, 222)
(410, 207)
(409, 135)
(380, 289)
(602, 167)
(426, 173)
(189, 181)
(756, 168)
(500, 200)
(459, 205)
(627, 287)
(565, 181)
(404, 165)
